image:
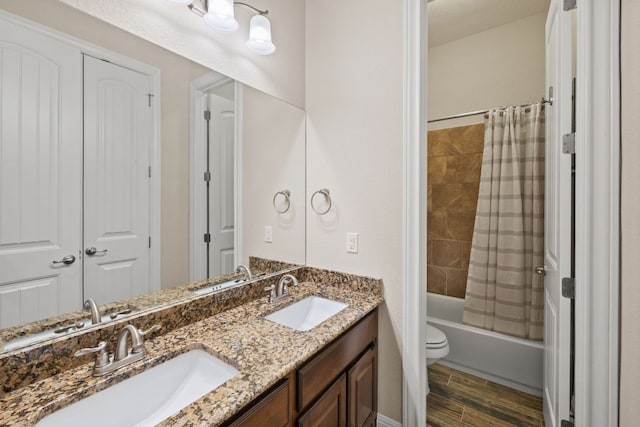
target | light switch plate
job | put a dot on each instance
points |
(268, 234)
(352, 243)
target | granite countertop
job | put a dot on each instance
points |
(263, 352)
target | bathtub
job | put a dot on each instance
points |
(514, 362)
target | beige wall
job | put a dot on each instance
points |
(177, 29)
(177, 73)
(273, 150)
(498, 67)
(630, 238)
(354, 149)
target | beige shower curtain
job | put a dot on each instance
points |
(503, 292)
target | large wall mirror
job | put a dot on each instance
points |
(127, 170)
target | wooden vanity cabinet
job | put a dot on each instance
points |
(337, 387)
(350, 362)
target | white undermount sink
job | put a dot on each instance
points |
(307, 313)
(149, 397)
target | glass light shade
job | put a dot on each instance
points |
(220, 16)
(181, 1)
(260, 36)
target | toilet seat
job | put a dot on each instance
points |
(435, 338)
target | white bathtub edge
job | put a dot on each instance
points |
(503, 359)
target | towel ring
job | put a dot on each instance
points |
(286, 194)
(327, 197)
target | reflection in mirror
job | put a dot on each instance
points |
(93, 121)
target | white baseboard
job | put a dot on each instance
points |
(387, 422)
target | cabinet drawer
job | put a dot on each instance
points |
(323, 369)
(272, 410)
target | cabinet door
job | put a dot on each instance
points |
(273, 410)
(330, 410)
(363, 390)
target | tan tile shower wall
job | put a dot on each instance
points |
(454, 158)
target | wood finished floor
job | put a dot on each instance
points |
(461, 399)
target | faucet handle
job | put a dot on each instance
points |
(151, 330)
(272, 294)
(102, 358)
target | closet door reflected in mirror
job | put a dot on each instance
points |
(40, 177)
(75, 213)
(117, 146)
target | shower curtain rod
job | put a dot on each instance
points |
(475, 113)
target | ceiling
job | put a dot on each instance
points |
(454, 19)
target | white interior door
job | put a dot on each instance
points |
(117, 138)
(221, 201)
(40, 176)
(557, 218)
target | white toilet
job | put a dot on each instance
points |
(437, 345)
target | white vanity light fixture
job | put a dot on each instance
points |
(219, 15)
(260, 36)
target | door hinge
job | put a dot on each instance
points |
(149, 171)
(569, 287)
(569, 5)
(149, 242)
(207, 115)
(569, 143)
(207, 237)
(566, 423)
(150, 95)
(207, 176)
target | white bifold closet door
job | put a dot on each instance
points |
(40, 176)
(117, 138)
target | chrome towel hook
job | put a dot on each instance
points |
(327, 197)
(287, 201)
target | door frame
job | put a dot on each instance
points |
(597, 212)
(197, 217)
(87, 48)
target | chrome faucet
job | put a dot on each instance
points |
(95, 312)
(122, 356)
(246, 270)
(281, 290)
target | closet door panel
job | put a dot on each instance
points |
(117, 138)
(40, 175)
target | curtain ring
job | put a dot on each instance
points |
(286, 194)
(327, 197)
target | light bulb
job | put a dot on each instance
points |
(220, 16)
(260, 36)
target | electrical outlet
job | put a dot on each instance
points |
(352, 243)
(268, 234)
